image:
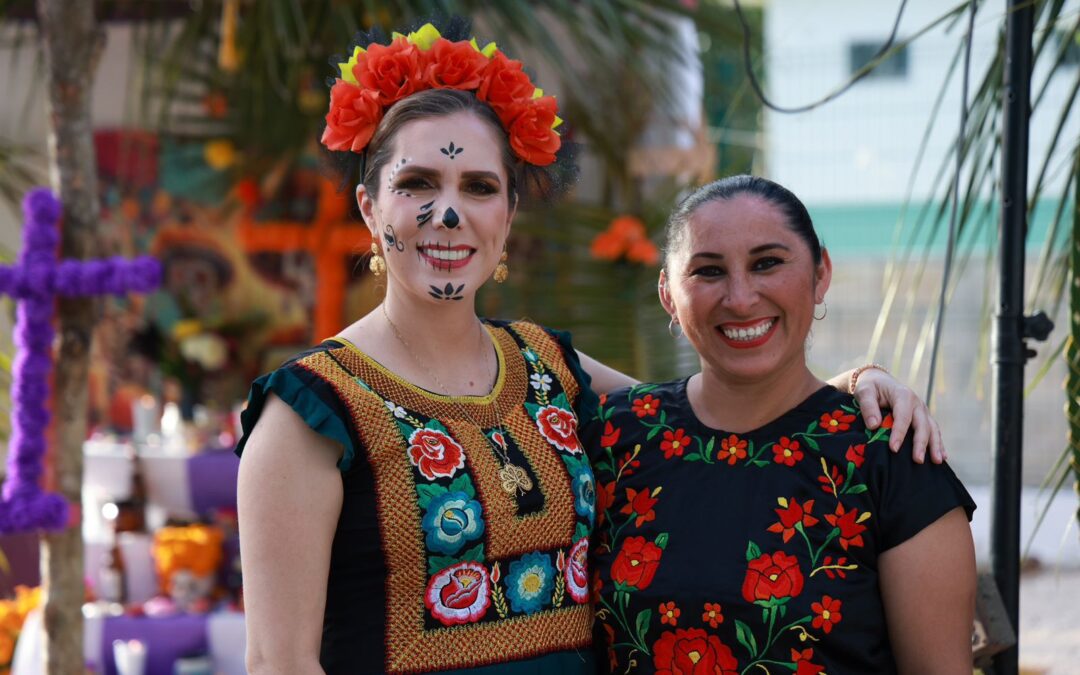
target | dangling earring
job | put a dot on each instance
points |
(824, 313)
(377, 264)
(501, 270)
(674, 328)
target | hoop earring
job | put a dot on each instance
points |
(377, 264)
(674, 328)
(501, 270)
(824, 313)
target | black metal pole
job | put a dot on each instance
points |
(1009, 348)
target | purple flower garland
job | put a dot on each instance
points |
(35, 282)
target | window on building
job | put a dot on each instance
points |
(895, 66)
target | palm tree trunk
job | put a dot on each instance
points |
(72, 43)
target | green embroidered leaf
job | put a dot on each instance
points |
(693, 457)
(436, 564)
(764, 612)
(811, 442)
(532, 408)
(857, 489)
(436, 425)
(760, 462)
(663, 417)
(849, 409)
(561, 401)
(428, 491)
(746, 637)
(405, 429)
(709, 448)
(463, 484)
(662, 540)
(783, 611)
(850, 471)
(642, 624)
(813, 425)
(652, 432)
(752, 551)
(606, 414)
(580, 532)
(474, 554)
(642, 389)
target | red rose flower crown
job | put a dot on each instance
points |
(377, 77)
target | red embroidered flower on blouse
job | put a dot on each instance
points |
(692, 651)
(559, 427)
(435, 454)
(732, 449)
(577, 571)
(850, 524)
(831, 482)
(674, 443)
(802, 662)
(669, 613)
(646, 406)
(772, 576)
(712, 615)
(856, 454)
(636, 563)
(787, 451)
(837, 420)
(792, 514)
(826, 613)
(641, 504)
(459, 594)
(610, 436)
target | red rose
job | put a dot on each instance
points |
(459, 594)
(504, 85)
(577, 571)
(531, 135)
(455, 65)
(610, 436)
(435, 454)
(636, 563)
(354, 115)
(559, 427)
(772, 576)
(691, 651)
(393, 71)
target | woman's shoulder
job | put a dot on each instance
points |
(647, 399)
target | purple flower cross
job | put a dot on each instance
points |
(35, 282)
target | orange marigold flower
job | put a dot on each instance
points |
(669, 613)
(836, 421)
(732, 449)
(643, 251)
(712, 615)
(827, 613)
(646, 406)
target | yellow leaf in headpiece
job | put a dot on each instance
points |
(556, 123)
(538, 92)
(425, 37)
(489, 49)
(346, 68)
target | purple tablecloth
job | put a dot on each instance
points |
(167, 639)
(212, 480)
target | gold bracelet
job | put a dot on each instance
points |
(859, 371)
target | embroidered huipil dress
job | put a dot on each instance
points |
(727, 553)
(441, 561)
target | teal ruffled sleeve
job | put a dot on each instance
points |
(300, 390)
(588, 402)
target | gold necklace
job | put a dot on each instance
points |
(512, 477)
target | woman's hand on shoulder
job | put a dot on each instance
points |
(875, 389)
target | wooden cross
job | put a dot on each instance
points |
(35, 282)
(331, 238)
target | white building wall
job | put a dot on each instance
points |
(862, 146)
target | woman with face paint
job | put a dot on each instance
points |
(749, 519)
(413, 495)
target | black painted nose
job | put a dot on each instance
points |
(450, 219)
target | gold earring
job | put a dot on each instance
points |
(377, 264)
(501, 270)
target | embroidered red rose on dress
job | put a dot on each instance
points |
(772, 576)
(692, 651)
(459, 594)
(577, 571)
(559, 427)
(435, 454)
(636, 563)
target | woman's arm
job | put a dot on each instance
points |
(875, 388)
(928, 587)
(289, 496)
(605, 379)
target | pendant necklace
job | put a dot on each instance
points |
(512, 478)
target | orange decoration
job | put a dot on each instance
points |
(625, 237)
(331, 238)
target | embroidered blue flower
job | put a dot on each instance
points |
(529, 583)
(451, 521)
(584, 486)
